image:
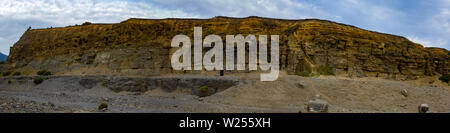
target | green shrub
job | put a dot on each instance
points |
(102, 106)
(25, 73)
(204, 89)
(303, 69)
(38, 80)
(445, 78)
(17, 74)
(7, 73)
(291, 29)
(210, 31)
(86, 23)
(9, 81)
(144, 38)
(269, 24)
(303, 74)
(2, 62)
(44, 73)
(325, 70)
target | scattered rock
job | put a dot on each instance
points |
(13, 105)
(200, 99)
(88, 83)
(50, 104)
(423, 108)
(317, 106)
(404, 92)
(316, 97)
(299, 85)
(118, 84)
(81, 111)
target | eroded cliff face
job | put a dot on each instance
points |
(142, 47)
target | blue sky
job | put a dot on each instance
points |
(422, 21)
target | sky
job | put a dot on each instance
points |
(422, 21)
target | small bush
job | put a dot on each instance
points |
(303, 74)
(86, 23)
(303, 69)
(144, 38)
(9, 81)
(210, 31)
(26, 73)
(102, 106)
(325, 70)
(44, 73)
(445, 78)
(38, 80)
(2, 62)
(204, 89)
(7, 73)
(17, 74)
(292, 29)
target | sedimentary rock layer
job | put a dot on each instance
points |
(142, 47)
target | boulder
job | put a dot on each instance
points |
(404, 92)
(317, 106)
(423, 108)
(89, 83)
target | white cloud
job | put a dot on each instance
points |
(64, 12)
(46, 13)
(428, 42)
(440, 24)
(418, 40)
(431, 28)
(371, 15)
(441, 21)
(242, 8)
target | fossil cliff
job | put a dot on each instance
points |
(141, 47)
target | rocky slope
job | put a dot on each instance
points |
(235, 94)
(141, 47)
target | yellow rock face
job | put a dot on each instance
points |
(142, 47)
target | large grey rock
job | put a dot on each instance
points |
(169, 84)
(317, 106)
(89, 83)
(126, 84)
(404, 92)
(423, 108)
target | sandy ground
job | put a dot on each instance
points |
(289, 94)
